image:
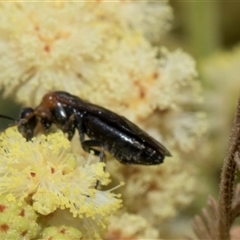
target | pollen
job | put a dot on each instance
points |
(45, 173)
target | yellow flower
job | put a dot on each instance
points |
(61, 232)
(17, 221)
(45, 173)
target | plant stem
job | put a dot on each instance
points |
(227, 180)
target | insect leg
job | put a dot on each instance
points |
(88, 147)
(69, 127)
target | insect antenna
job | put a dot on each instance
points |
(7, 117)
(10, 125)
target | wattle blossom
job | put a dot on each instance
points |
(44, 173)
(63, 43)
(17, 220)
(110, 54)
(160, 188)
(130, 226)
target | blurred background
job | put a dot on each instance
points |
(203, 27)
(209, 31)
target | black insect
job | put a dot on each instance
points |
(105, 129)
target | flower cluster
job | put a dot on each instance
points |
(62, 232)
(62, 43)
(163, 185)
(17, 221)
(107, 54)
(44, 173)
(130, 226)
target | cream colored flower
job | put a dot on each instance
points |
(58, 45)
(74, 47)
(130, 226)
(156, 192)
(152, 92)
(47, 46)
(139, 16)
(46, 174)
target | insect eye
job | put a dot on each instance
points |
(27, 123)
(25, 112)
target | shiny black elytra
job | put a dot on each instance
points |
(104, 128)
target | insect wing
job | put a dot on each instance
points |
(145, 137)
(123, 124)
(116, 121)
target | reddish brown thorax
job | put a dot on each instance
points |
(48, 103)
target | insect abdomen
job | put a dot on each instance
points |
(125, 148)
